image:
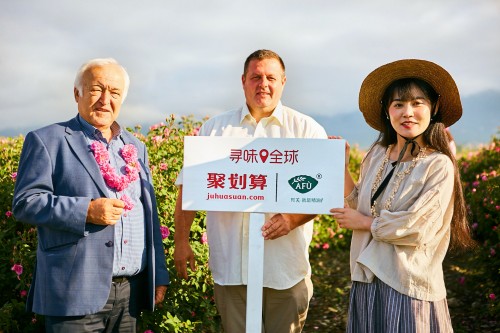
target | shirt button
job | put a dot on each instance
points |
(109, 244)
(125, 241)
(123, 268)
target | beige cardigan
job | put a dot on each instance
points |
(406, 245)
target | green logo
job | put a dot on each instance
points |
(302, 183)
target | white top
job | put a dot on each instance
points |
(407, 244)
(286, 259)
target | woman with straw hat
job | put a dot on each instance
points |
(408, 204)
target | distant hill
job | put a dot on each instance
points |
(479, 122)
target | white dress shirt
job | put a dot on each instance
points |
(286, 259)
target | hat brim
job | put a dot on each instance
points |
(374, 85)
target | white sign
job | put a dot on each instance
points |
(263, 175)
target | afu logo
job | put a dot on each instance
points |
(303, 183)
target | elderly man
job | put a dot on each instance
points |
(287, 283)
(86, 185)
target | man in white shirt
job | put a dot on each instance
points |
(287, 272)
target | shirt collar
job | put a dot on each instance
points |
(277, 113)
(93, 132)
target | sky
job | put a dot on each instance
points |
(186, 57)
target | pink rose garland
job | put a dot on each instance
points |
(112, 179)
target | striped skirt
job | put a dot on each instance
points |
(377, 308)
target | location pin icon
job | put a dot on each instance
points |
(263, 155)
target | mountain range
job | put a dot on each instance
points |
(479, 123)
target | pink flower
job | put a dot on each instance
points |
(13, 175)
(163, 166)
(325, 246)
(474, 225)
(157, 139)
(492, 252)
(129, 204)
(492, 296)
(204, 238)
(149, 331)
(23, 293)
(8, 213)
(461, 280)
(17, 268)
(165, 232)
(129, 153)
(112, 179)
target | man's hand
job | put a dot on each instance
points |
(104, 211)
(277, 226)
(347, 148)
(281, 224)
(160, 294)
(183, 254)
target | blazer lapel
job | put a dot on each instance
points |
(78, 143)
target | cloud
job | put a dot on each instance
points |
(187, 57)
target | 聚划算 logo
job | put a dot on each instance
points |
(302, 183)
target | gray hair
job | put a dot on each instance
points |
(96, 63)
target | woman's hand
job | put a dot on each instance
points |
(349, 218)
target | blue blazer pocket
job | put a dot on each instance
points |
(50, 240)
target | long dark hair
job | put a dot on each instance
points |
(434, 137)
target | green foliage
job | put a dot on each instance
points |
(189, 305)
(480, 173)
(17, 247)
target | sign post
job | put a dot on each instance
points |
(262, 175)
(255, 280)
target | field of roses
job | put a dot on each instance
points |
(189, 305)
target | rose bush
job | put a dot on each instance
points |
(189, 305)
(480, 171)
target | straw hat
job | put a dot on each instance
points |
(373, 88)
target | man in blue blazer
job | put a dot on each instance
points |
(86, 185)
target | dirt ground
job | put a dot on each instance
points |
(463, 275)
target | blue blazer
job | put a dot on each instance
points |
(57, 178)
